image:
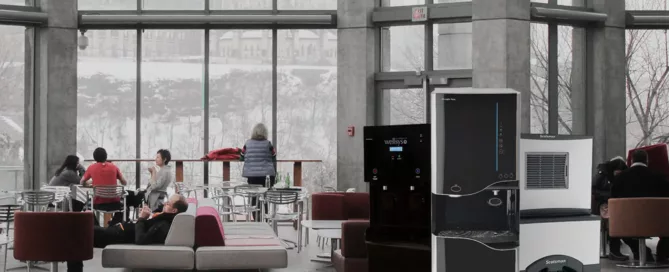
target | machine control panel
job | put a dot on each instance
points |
(397, 154)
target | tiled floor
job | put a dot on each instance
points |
(298, 262)
(610, 266)
(301, 262)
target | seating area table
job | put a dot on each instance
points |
(330, 229)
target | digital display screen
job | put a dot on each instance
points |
(395, 149)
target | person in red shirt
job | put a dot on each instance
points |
(105, 173)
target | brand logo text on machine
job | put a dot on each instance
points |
(396, 141)
(556, 261)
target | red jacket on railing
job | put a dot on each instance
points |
(223, 154)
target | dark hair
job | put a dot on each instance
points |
(165, 154)
(71, 163)
(181, 205)
(100, 154)
(640, 156)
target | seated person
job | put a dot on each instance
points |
(105, 173)
(601, 190)
(641, 181)
(68, 174)
(162, 177)
(149, 229)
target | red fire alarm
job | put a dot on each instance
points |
(351, 131)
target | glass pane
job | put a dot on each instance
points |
(392, 3)
(539, 78)
(12, 76)
(240, 5)
(647, 115)
(567, 85)
(172, 95)
(13, 2)
(452, 46)
(307, 103)
(307, 4)
(407, 106)
(173, 4)
(645, 5)
(107, 4)
(107, 97)
(240, 90)
(403, 48)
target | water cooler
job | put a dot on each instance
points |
(475, 192)
(397, 167)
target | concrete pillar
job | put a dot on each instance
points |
(501, 49)
(357, 61)
(606, 86)
(53, 105)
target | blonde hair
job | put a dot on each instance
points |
(259, 132)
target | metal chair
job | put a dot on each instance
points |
(184, 189)
(61, 196)
(6, 219)
(278, 198)
(224, 200)
(249, 193)
(328, 189)
(109, 192)
(37, 201)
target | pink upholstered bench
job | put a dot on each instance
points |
(235, 245)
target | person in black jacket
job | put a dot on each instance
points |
(601, 190)
(148, 230)
(641, 181)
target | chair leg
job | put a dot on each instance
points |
(642, 252)
(5, 263)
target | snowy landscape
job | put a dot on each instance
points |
(240, 89)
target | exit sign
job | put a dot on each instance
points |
(419, 14)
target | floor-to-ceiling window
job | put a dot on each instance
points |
(240, 89)
(12, 81)
(107, 97)
(234, 69)
(307, 102)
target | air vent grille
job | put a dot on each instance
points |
(547, 170)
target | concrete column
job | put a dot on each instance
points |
(501, 48)
(357, 61)
(53, 105)
(606, 86)
(579, 79)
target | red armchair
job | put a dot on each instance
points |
(354, 207)
(53, 236)
(340, 206)
(352, 257)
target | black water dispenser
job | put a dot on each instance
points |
(397, 167)
(475, 196)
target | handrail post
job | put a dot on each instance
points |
(226, 171)
(297, 173)
(180, 171)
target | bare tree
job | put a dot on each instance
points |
(647, 71)
(539, 79)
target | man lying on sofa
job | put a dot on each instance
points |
(149, 229)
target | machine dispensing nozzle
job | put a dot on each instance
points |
(495, 192)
